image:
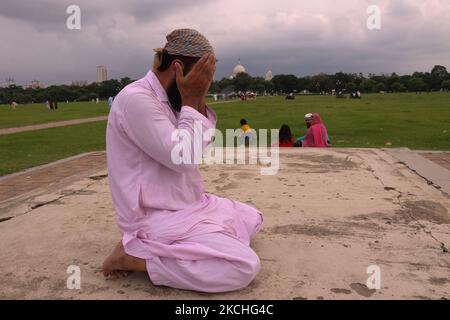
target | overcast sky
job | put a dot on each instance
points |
(286, 36)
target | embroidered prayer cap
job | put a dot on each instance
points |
(186, 43)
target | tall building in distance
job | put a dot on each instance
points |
(102, 74)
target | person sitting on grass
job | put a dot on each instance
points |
(299, 141)
(245, 126)
(286, 139)
(308, 118)
(247, 135)
(316, 136)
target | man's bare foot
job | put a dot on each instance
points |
(119, 264)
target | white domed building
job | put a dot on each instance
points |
(269, 75)
(238, 69)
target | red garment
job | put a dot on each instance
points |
(286, 144)
(316, 136)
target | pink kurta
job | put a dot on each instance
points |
(190, 239)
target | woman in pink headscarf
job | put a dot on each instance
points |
(317, 136)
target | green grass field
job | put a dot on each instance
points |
(29, 114)
(417, 121)
(28, 149)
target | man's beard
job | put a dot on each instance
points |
(174, 96)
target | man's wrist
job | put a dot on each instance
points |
(192, 102)
(197, 104)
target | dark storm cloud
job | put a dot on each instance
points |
(49, 14)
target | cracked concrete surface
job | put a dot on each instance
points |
(329, 215)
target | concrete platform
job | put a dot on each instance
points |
(329, 215)
(42, 179)
(439, 157)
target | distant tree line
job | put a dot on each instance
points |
(102, 90)
(436, 80)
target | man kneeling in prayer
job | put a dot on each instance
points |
(171, 228)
